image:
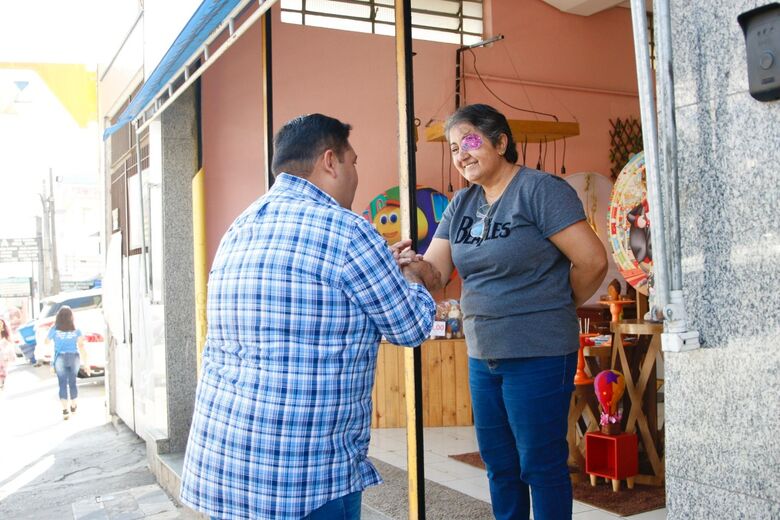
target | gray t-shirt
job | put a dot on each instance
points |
(516, 298)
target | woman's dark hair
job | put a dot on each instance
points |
(4, 334)
(299, 143)
(489, 121)
(64, 319)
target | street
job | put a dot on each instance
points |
(85, 467)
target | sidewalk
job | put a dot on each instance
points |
(85, 468)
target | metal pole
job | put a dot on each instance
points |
(667, 102)
(41, 257)
(45, 243)
(55, 268)
(650, 138)
(268, 98)
(144, 250)
(407, 182)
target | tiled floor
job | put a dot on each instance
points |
(389, 445)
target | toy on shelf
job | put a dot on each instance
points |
(454, 320)
(615, 300)
(609, 386)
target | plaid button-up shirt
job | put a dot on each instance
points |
(300, 293)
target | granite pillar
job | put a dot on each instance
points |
(179, 165)
(722, 402)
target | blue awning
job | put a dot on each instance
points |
(207, 17)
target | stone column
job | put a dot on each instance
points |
(179, 165)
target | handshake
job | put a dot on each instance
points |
(414, 268)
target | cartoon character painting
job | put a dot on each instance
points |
(384, 212)
(639, 234)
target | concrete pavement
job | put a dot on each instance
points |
(82, 468)
(85, 468)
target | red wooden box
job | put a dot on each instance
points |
(611, 456)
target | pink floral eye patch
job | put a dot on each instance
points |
(470, 142)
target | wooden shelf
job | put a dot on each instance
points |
(522, 130)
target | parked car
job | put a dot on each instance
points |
(27, 334)
(87, 316)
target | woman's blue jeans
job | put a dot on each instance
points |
(342, 508)
(67, 368)
(521, 408)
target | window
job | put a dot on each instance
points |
(447, 21)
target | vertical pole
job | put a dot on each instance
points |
(407, 188)
(138, 170)
(458, 55)
(32, 290)
(41, 270)
(268, 100)
(650, 138)
(667, 102)
(55, 269)
(46, 243)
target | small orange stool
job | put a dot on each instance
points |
(615, 457)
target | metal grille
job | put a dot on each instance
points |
(448, 21)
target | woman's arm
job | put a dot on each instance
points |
(83, 358)
(588, 258)
(439, 255)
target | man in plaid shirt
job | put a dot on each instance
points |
(300, 293)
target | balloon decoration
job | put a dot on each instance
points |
(629, 225)
(609, 386)
(384, 212)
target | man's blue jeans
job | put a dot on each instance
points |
(521, 408)
(67, 368)
(342, 508)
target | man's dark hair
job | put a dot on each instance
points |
(299, 143)
(489, 121)
(64, 319)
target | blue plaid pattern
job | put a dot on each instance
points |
(300, 293)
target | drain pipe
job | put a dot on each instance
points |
(676, 337)
(659, 297)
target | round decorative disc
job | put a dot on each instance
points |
(629, 224)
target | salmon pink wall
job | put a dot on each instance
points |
(579, 68)
(231, 119)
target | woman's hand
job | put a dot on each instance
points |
(87, 370)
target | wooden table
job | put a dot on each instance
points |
(445, 380)
(637, 363)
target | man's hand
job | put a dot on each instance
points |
(403, 253)
(420, 271)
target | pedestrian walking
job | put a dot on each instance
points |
(68, 357)
(7, 353)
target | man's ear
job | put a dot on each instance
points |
(329, 162)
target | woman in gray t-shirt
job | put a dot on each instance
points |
(527, 258)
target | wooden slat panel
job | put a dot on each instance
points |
(462, 393)
(433, 373)
(446, 396)
(400, 351)
(449, 406)
(393, 386)
(380, 389)
(425, 358)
